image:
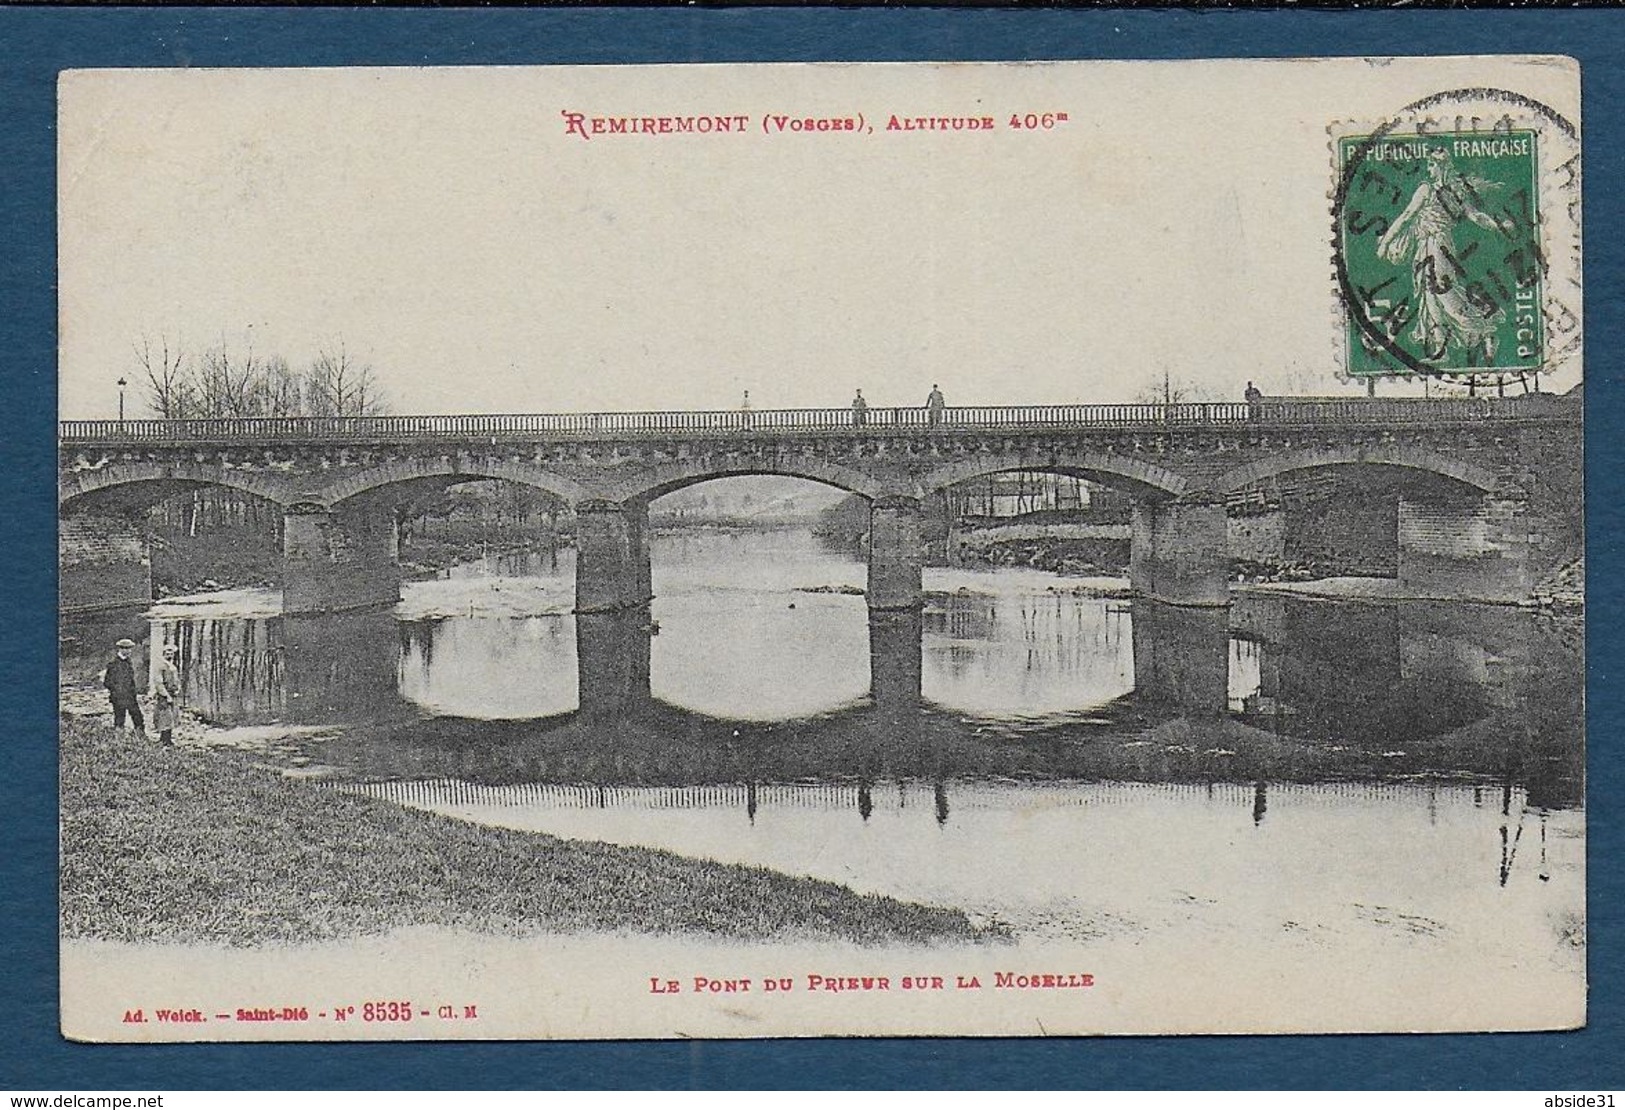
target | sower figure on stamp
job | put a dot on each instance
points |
(860, 410)
(1424, 234)
(119, 678)
(166, 696)
(934, 404)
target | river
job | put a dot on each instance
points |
(1380, 778)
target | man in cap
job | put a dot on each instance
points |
(121, 689)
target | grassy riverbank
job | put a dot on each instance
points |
(172, 844)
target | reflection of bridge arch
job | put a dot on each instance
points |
(668, 718)
(1137, 475)
(670, 477)
(1404, 456)
(140, 485)
(379, 478)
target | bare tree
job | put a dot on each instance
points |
(168, 382)
(1171, 391)
(281, 392)
(338, 385)
(519, 503)
(366, 398)
(230, 384)
(232, 381)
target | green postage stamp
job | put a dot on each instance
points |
(1439, 238)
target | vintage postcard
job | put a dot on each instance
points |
(809, 550)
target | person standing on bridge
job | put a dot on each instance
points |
(860, 410)
(1255, 402)
(166, 696)
(934, 404)
(119, 679)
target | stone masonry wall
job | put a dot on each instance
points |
(1454, 549)
(1257, 537)
(103, 561)
(1355, 533)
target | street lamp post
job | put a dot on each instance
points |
(122, 382)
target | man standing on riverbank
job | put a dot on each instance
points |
(166, 695)
(121, 690)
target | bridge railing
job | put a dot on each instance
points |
(877, 419)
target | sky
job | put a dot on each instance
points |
(448, 228)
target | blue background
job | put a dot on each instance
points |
(37, 43)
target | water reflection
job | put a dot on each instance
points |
(1182, 659)
(1195, 865)
(758, 676)
(1075, 766)
(613, 653)
(1179, 719)
(235, 669)
(493, 667)
(1026, 655)
(305, 669)
(760, 655)
(549, 561)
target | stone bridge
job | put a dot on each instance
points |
(1488, 490)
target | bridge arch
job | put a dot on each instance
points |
(377, 478)
(1405, 456)
(1139, 476)
(666, 478)
(143, 484)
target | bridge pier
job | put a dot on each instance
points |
(937, 529)
(104, 562)
(338, 560)
(1490, 548)
(344, 666)
(1182, 657)
(890, 740)
(894, 660)
(1180, 552)
(612, 661)
(612, 556)
(894, 554)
